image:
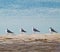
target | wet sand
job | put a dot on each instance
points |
(8, 44)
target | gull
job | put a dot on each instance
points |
(52, 30)
(35, 30)
(8, 31)
(22, 30)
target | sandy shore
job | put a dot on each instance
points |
(30, 43)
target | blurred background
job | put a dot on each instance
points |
(26, 14)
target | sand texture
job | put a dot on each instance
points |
(30, 43)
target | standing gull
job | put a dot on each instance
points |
(52, 30)
(8, 31)
(22, 30)
(35, 30)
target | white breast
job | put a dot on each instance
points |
(50, 30)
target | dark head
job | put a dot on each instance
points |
(50, 27)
